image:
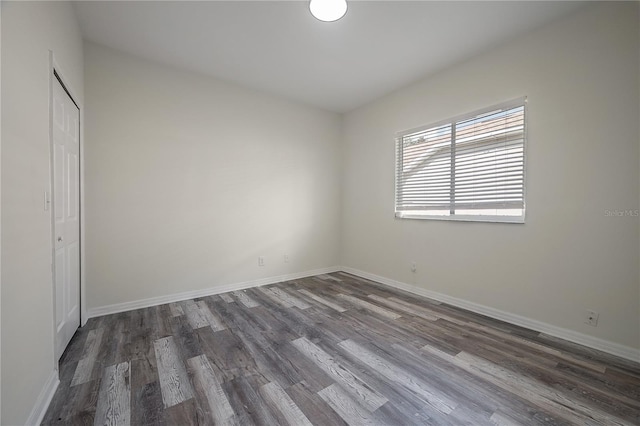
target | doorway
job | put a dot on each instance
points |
(65, 170)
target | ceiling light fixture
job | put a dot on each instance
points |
(328, 10)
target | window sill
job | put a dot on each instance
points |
(463, 218)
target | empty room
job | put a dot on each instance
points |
(324, 212)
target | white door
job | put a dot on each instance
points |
(66, 203)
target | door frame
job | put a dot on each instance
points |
(56, 72)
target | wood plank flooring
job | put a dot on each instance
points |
(332, 350)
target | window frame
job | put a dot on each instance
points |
(521, 101)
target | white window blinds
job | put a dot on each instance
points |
(468, 168)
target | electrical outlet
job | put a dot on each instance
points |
(591, 318)
(286, 258)
(260, 261)
(413, 267)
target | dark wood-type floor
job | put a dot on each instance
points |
(332, 350)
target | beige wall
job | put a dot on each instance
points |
(29, 31)
(189, 180)
(581, 77)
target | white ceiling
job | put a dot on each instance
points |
(278, 47)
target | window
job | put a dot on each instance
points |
(470, 167)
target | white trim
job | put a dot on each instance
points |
(622, 351)
(49, 207)
(463, 218)
(44, 399)
(612, 348)
(56, 69)
(627, 352)
(55, 66)
(176, 297)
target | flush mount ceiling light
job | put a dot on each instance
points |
(328, 10)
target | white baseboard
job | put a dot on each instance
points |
(612, 348)
(44, 399)
(48, 390)
(176, 297)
